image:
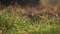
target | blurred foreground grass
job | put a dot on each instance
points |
(9, 24)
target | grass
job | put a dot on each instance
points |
(11, 24)
(48, 23)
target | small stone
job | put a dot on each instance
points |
(0, 31)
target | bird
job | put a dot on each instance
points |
(34, 18)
